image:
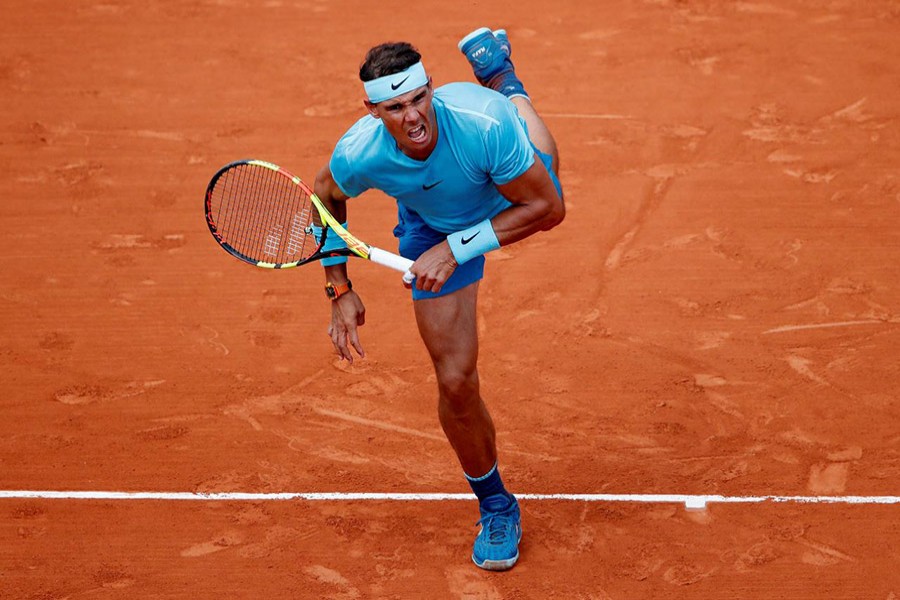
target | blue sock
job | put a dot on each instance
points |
(488, 484)
(508, 84)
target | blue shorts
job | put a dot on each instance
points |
(416, 237)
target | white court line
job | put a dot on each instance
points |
(689, 500)
(784, 328)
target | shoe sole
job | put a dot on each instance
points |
(503, 39)
(478, 32)
(497, 565)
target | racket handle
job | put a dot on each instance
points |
(394, 261)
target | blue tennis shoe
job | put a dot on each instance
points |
(503, 40)
(497, 545)
(485, 54)
(488, 52)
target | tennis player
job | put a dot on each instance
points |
(472, 168)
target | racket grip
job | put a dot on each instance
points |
(393, 261)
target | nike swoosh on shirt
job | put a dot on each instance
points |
(469, 239)
(427, 187)
(394, 86)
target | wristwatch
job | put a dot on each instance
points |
(336, 291)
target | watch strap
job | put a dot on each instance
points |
(335, 291)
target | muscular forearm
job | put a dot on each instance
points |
(330, 194)
(536, 206)
(336, 202)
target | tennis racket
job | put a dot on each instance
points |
(263, 215)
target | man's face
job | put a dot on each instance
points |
(410, 120)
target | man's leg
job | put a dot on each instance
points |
(537, 130)
(489, 53)
(448, 327)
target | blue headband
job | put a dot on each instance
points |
(397, 84)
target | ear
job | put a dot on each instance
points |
(371, 108)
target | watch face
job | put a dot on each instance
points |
(336, 291)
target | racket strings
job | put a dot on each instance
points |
(263, 215)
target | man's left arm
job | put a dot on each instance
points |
(536, 206)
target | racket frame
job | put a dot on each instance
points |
(355, 246)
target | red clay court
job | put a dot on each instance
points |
(718, 315)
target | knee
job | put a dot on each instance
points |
(458, 389)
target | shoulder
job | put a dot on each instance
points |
(486, 125)
(356, 155)
(361, 139)
(469, 103)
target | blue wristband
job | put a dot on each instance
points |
(332, 242)
(472, 242)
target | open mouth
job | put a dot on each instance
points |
(417, 134)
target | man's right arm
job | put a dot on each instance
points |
(335, 200)
(328, 191)
(347, 311)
